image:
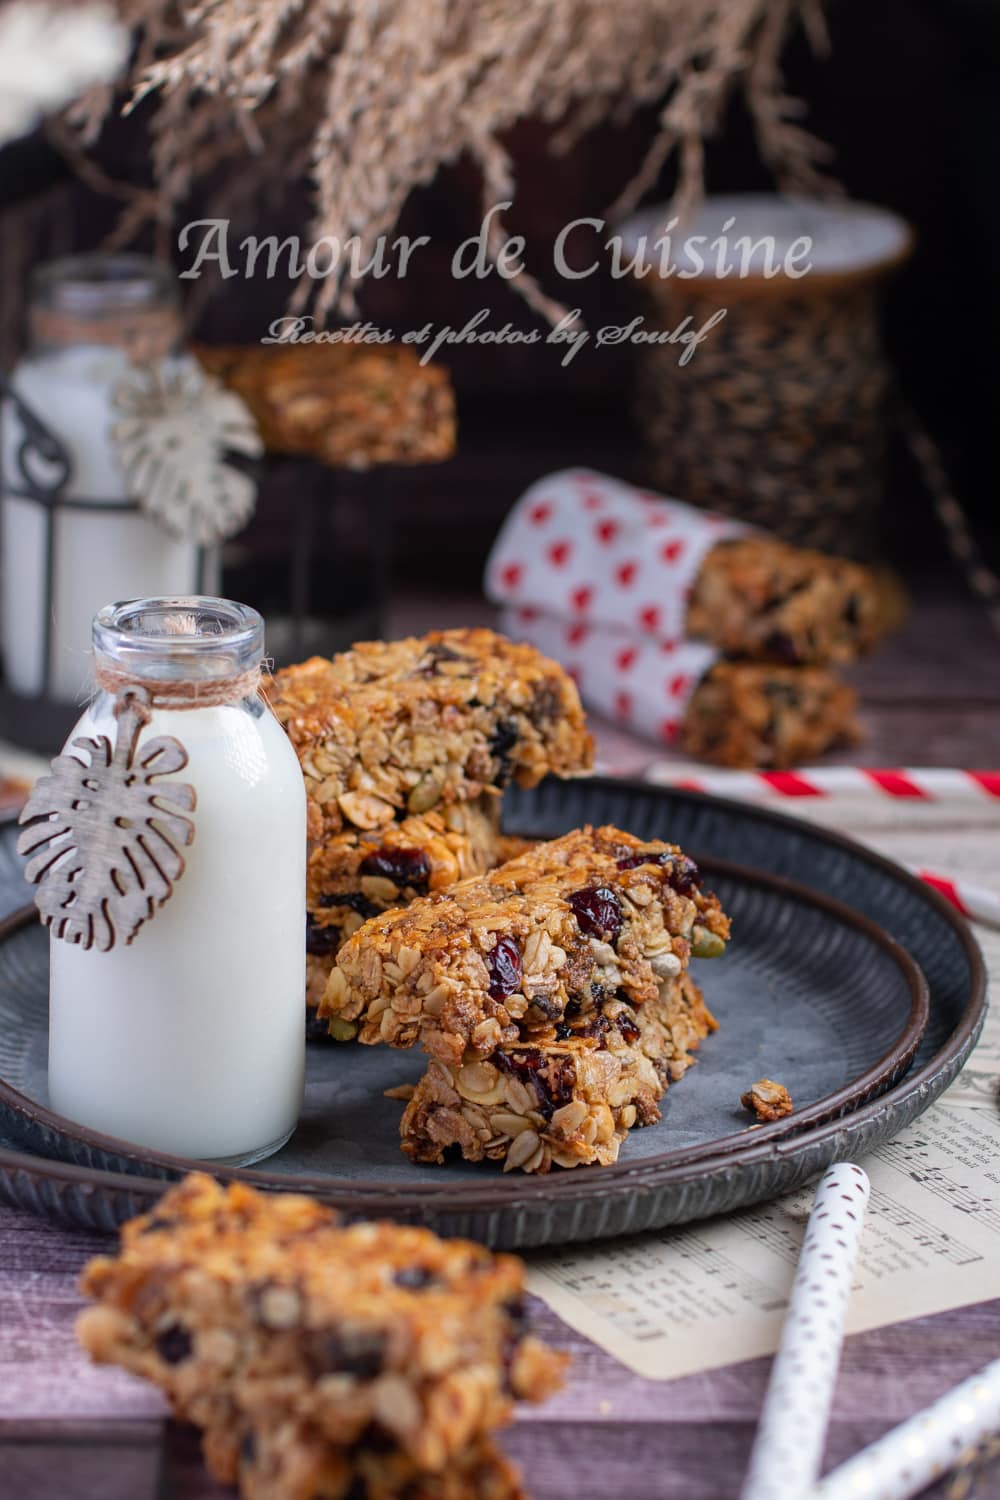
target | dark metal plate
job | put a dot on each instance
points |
(807, 994)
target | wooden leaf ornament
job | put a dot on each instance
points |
(175, 429)
(103, 836)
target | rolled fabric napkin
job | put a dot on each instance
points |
(643, 683)
(583, 546)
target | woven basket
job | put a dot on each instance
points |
(779, 417)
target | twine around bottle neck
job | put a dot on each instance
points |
(181, 692)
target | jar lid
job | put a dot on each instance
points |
(756, 237)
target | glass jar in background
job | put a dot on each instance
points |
(190, 1039)
(91, 318)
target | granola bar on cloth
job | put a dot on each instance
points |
(250, 1310)
(595, 914)
(590, 549)
(737, 713)
(392, 728)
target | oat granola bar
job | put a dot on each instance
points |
(750, 714)
(567, 1095)
(288, 1460)
(355, 875)
(595, 914)
(244, 1307)
(760, 598)
(398, 727)
(350, 405)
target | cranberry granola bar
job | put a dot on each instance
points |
(568, 1095)
(750, 714)
(246, 1307)
(355, 875)
(595, 914)
(398, 727)
(288, 1460)
(758, 597)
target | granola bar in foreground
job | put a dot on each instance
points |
(246, 1307)
(751, 714)
(567, 1096)
(288, 1460)
(758, 597)
(355, 875)
(596, 914)
(397, 727)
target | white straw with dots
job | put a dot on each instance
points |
(788, 1449)
(918, 1451)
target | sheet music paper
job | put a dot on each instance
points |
(681, 1300)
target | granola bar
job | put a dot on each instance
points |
(289, 1460)
(594, 914)
(749, 714)
(246, 1307)
(761, 598)
(355, 875)
(349, 405)
(398, 727)
(568, 1095)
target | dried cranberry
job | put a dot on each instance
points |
(359, 1352)
(316, 1030)
(781, 647)
(683, 874)
(415, 1278)
(505, 969)
(354, 901)
(528, 1065)
(321, 941)
(174, 1344)
(543, 1003)
(434, 656)
(503, 739)
(627, 1026)
(597, 911)
(401, 866)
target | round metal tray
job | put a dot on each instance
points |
(810, 993)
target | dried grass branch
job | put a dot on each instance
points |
(377, 95)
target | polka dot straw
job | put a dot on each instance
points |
(913, 1455)
(788, 1449)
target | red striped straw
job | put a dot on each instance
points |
(974, 901)
(912, 783)
(924, 784)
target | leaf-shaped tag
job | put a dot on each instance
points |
(175, 429)
(103, 839)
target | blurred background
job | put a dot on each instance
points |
(905, 98)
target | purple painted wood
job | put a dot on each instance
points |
(71, 1430)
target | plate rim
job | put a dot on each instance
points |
(453, 1195)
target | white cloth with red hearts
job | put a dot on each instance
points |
(598, 574)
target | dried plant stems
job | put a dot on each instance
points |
(376, 95)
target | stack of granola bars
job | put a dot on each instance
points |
(553, 996)
(319, 1359)
(406, 747)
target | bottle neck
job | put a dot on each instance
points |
(127, 302)
(180, 653)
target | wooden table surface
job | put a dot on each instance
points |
(67, 1430)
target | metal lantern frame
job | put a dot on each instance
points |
(39, 721)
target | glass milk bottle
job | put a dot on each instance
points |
(190, 1039)
(91, 318)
